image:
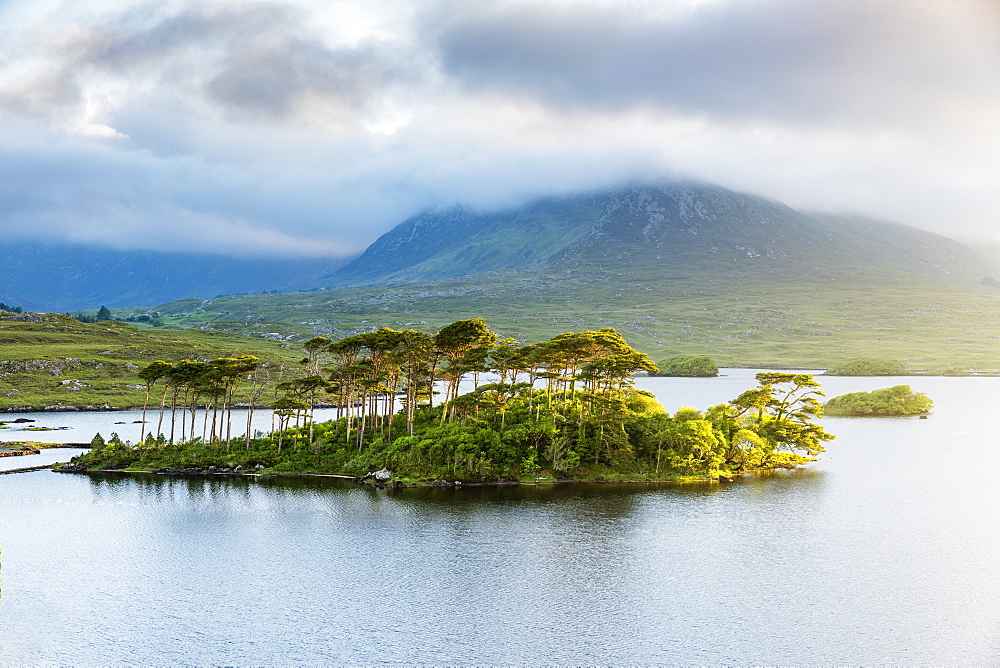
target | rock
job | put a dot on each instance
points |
(725, 478)
(379, 476)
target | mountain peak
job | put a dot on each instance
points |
(673, 224)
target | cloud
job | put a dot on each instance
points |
(309, 127)
(853, 61)
(257, 60)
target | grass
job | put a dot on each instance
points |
(763, 319)
(59, 361)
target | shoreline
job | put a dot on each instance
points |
(398, 484)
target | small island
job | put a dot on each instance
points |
(867, 366)
(898, 401)
(690, 366)
(566, 408)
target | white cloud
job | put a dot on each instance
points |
(308, 127)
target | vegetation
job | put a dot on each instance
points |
(891, 401)
(869, 367)
(562, 407)
(691, 365)
(139, 317)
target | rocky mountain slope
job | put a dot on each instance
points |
(674, 229)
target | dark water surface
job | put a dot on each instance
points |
(883, 552)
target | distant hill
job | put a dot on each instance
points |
(673, 229)
(59, 277)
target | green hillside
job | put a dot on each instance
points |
(52, 360)
(765, 319)
(679, 269)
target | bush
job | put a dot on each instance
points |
(700, 366)
(868, 367)
(889, 402)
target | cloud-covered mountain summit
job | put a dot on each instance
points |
(673, 228)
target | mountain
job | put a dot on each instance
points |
(678, 269)
(45, 277)
(674, 228)
(663, 232)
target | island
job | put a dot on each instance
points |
(868, 366)
(412, 406)
(898, 401)
(692, 366)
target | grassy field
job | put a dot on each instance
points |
(760, 319)
(55, 360)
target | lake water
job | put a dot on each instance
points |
(883, 552)
(80, 426)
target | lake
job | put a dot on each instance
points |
(80, 426)
(882, 552)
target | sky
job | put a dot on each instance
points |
(310, 127)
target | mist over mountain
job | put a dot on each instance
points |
(694, 232)
(676, 229)
(62, 276)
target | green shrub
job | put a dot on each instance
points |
(868, 367)
(890, 402)
(700, 366)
